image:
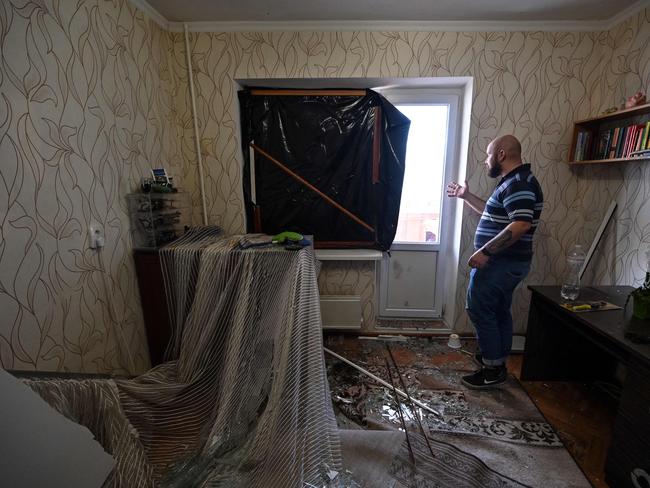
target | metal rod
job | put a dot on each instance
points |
(415, 414)
(380, 381)
(401, 414)
(251, 166)
(197, 141)
(312, 187)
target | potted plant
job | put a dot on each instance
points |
(641, 296)
(641, 303)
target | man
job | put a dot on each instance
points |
(503, 252)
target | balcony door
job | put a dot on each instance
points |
(412, 275)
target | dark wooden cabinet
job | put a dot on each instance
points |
(628, 458)
(565, 346)
(154, 303)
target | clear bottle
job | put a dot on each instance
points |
(571, 286)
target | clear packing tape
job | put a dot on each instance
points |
(243, 399)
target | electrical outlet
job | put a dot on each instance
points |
(96, 236)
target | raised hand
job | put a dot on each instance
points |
(457, 190)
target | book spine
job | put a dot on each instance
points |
(618, 138)
(614, 143)
(633, 136)
(639, 137)
(629, 136)
(577, 155)
(621, 142)
(611, 145)
(646, 142)
(626, 141)
(601, 145)
(608, 144)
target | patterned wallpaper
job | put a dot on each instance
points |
(94, 94)
(626, 69)
(85, 111)
(532, 84)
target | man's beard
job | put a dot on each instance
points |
(494, 170)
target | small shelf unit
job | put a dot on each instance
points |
(597, 129)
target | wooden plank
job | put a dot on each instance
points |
(627, 112)
(257, 219)
(305, 93)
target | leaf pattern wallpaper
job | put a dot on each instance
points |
(85, 111)
(531, 84)
(93, 94)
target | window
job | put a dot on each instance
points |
(420, 208)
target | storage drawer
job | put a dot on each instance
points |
(635, 402)
(628, 457)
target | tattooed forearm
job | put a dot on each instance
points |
(500, 242)
(507, 237)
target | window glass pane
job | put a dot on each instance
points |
(419, 216)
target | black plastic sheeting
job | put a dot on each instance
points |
(328, 141)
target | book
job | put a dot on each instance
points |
(646, 136)
(586, 144)
(603, 144)
(639, 140)
(633, 140)
(645, 153)
(614, 143)
(582, 141)
(629, 138)
(626, 141)
(576, 151)
(620, 146)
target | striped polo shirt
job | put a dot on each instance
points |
(517, 197)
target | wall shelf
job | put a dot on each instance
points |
(612, 160)
(596, 128)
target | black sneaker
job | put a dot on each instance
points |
(478, 359)
(486, 378)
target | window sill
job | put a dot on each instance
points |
(348, 255)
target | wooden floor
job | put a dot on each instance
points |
(581, 414)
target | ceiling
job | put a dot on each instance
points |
(389, 10)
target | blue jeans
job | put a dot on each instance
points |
(489, 297)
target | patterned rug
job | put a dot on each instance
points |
(480, 439)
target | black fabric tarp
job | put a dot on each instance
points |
(326, 139)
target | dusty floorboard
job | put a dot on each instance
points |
(581, 414)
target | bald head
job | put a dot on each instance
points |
(510, 146)
(504, 154)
